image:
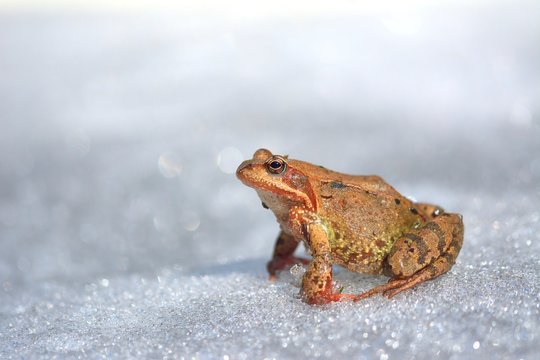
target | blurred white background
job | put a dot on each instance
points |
(123, 120)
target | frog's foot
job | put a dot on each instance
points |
(421, 255)
(393, 283)
(283, 262)
(326, 298)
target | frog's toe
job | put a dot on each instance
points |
(392, 292)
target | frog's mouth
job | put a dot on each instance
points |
(248, 172)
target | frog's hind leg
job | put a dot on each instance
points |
(421, 255)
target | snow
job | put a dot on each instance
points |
(125, 234)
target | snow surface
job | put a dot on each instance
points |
(124, 233)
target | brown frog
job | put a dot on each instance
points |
(358, 222)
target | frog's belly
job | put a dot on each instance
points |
(361, 242)
(362, 255)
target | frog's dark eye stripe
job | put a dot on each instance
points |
(276, 165)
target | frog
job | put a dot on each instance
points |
(358, 222)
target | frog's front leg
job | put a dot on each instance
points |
(317, 281)
(422, 255)
(283, 255)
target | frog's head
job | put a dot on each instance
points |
(281, 183)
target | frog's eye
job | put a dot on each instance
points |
(276, 165)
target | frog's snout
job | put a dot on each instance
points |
(241, 168)
(251, 171)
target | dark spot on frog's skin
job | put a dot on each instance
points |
(436, 229)
(380, 244)
(337, 185)
(414, 211)
(397, 201)
(448, 257)
(322, 167)
(353, 257)
(305, 232)
(421, 245)
(264, 205)
(326, 196)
